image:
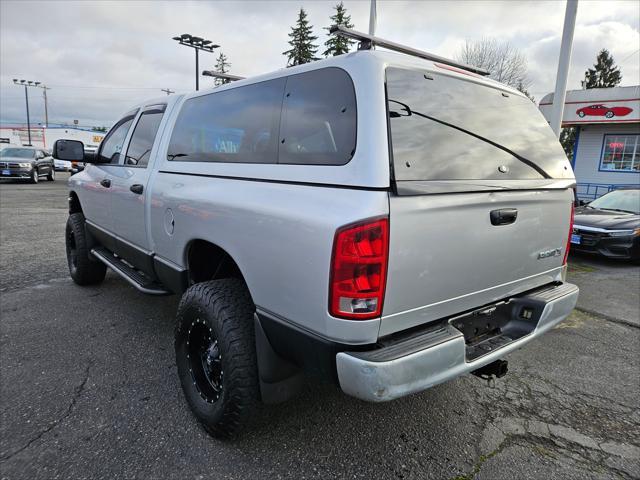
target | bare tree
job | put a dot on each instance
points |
(505, 62)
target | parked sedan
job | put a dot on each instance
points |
(62, 165)
(26, 163)
(609, 226)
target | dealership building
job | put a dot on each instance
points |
(45, 137)
(606, 153)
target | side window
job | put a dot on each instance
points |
(238, 125)
(143, 137)
(111, 146)
(318, 118)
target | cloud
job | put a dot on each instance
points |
(100, 58)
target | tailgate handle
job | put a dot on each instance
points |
(504, 216)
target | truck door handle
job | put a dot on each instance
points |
(136, 188)
(105, 182)
(503, 216)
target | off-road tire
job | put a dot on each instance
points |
(224, 308)
(83, 270)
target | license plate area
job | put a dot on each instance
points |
(494, 326)
(6, 172)
(575, 238)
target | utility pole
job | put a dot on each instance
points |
(46, 107)
(197, 43)
(168, 91)
(560, 93)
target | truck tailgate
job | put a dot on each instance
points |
(446, 256)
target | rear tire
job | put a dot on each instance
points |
(83, 270)
(216, 356)
(52, 175)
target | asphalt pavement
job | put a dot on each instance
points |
(88, 388)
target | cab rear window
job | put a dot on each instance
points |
(444, 128)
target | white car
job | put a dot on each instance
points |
(62, 165)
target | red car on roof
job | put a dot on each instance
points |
(600, 110)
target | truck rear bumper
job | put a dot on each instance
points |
(424, 360)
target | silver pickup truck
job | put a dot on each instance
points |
(376, 218)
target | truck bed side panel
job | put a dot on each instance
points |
(280, 235)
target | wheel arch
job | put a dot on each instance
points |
(74, 203)
(206, 261)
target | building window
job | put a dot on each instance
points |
(621, 153)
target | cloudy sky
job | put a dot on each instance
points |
(101, 57)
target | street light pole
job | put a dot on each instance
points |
(26, 99)
(30, 83)
(197, 43)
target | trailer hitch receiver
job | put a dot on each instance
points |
(493, 370)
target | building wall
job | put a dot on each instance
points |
(45, 137)
(589, 151)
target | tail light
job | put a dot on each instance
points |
(566, 250)
(359, 270)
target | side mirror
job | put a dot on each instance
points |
(582, 203)
(71, 150)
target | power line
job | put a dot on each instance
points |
(632, 53)
(103, 87)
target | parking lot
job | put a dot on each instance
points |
(89, 387)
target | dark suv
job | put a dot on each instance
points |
(28, 163)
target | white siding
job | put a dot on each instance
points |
(589, 151)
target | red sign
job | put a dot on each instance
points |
(600, 110)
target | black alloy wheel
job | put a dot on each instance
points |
(205, 361)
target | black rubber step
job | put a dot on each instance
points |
(136, 278)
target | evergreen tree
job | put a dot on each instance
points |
(338, 45)
(222, 66)
(568, 140)
(521, 88)
(604, 73)
(302, 48)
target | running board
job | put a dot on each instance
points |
(136, 278)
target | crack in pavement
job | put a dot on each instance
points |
(548, 446)
(528, 415)
(78, 391)
(608, 318)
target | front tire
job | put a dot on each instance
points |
(52, 175)
(215, 354)
(34, 176)
(82, 269)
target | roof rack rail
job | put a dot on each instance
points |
(369, 41)
(225, 76)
